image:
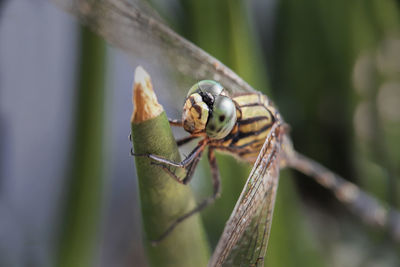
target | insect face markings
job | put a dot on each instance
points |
(208, 110)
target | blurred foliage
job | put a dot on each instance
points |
(316, 48)
(327, 82)
(79, 239)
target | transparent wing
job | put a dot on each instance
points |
(245, 237)
(136, 28)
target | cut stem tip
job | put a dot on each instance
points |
(145, 103)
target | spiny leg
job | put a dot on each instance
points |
(179, 123)
(187, 163)
(216, 180)
(185, 140)
(184, 163)
(189, 169)
(175, 122)
(216, 192)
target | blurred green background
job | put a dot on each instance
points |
(332, 68)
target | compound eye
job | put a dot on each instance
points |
(206, 86)
(222, 119)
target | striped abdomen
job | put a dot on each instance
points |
(255, 116)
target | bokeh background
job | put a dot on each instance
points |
(67, 183)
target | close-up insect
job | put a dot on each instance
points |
(263, 133)
(249, 127)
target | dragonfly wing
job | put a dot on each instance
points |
(245, 237)
(136, 28)
(250, 249)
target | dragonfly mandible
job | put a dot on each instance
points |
(135, 28)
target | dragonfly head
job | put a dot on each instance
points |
(208, 109)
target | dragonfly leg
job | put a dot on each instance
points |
(185, 140)
(183, 164)
(175, 122)
(189, 170)
(189, 163)
(216, 179)
(216, 192)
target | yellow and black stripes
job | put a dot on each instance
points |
(254, 120)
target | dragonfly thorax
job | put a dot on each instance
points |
(207, 109)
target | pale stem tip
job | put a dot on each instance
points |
(145, 104)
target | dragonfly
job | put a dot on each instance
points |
(248, 126)
(136, 28)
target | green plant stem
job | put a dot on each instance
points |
(163, 199)
(80, 224)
